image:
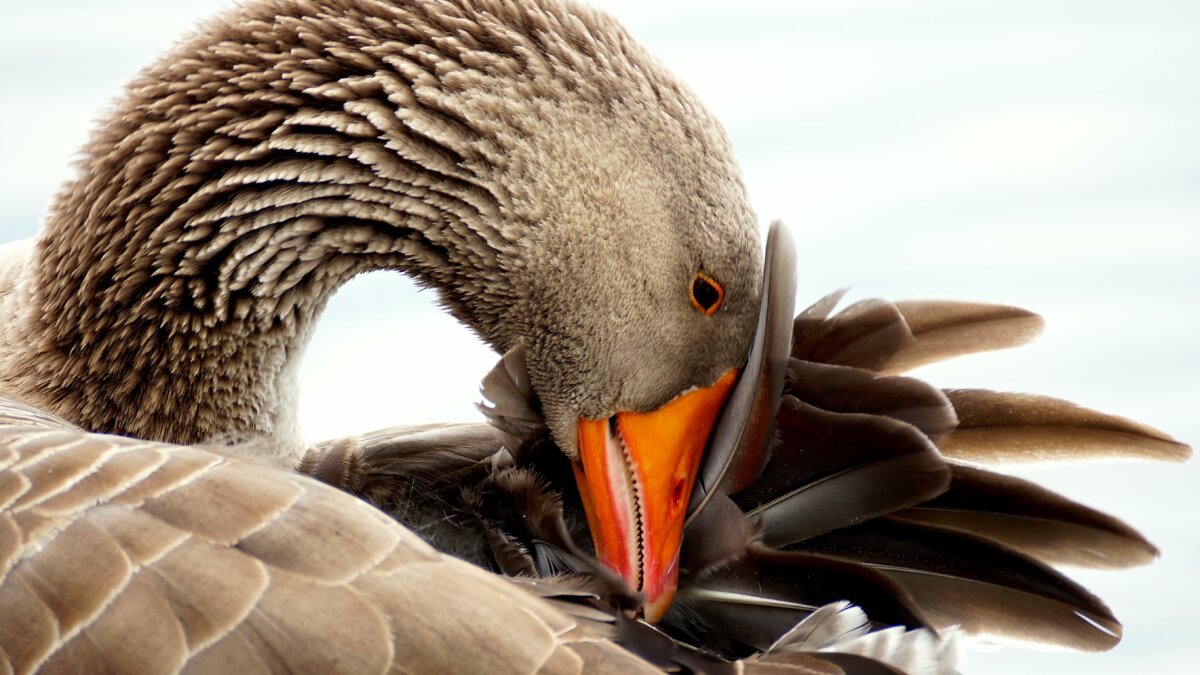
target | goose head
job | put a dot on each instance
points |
(560, 189)
(638, 308)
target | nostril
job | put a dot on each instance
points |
(677, 493)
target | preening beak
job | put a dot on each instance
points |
(635, 474)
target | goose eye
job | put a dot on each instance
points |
(706, 294)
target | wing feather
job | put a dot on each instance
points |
(1002, 427)
(894, 338)
(968, 581)
(836, 469)
(232, 565)
(945, 329)
(1033, 520)
(842, 389)
(755, 600)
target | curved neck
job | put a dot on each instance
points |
(179, 276)
(296, 143)
(188, 318)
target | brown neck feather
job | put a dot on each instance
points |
(236, 187)
(296, 143)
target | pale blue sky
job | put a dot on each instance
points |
(1044, 154)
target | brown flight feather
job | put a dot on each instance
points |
(1000, 427)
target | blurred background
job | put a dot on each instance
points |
(1042, 154)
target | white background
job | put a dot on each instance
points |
(1037, 153)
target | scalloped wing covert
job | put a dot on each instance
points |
(109, 545)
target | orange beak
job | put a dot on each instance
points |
(635, 475)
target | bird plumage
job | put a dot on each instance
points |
(856, 500)
(292, 144)
(123, 555)
(560, 190)
(527, 159)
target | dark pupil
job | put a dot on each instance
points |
(706, 296)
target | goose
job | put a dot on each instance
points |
(571, 202)
(558, 188)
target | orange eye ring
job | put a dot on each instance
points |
(707, 295)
